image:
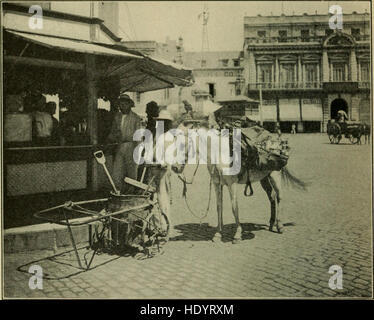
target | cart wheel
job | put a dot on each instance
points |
(354, 140)
(332, 138)
(337, 139)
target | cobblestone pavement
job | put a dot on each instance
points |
(328, 225)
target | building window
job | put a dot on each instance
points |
(266, 74)
(212, 90)
(236, 62)
(355, 33)
(365, 71)
(338, 70)
(311, 76)
(138, 97)
(261, 34)
(287, 74)
(224, 62)
(282, 35)
(203, 63)
(305, 35)
(328, 32)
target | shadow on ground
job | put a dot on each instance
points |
(204, 232)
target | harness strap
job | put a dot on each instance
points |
(248, 185)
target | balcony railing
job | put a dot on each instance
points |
(255, 40)
(299, 39)
(364, 84)
(284, 85)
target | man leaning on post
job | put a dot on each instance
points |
(124, 125)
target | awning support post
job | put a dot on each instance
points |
(92, 114)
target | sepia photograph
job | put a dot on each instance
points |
(186, 150)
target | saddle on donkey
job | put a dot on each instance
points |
(261, 151)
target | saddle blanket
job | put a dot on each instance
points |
(263, 150)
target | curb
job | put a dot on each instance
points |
(45, 236)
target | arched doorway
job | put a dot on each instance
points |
(336, 105)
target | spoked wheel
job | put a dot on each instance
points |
(157, 235)
(354, 140)
(332, 138)
(338, 138)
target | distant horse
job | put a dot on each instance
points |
(271, 181)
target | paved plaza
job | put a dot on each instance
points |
(330, 224)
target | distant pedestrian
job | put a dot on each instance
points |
(278, 129)
(293, 130)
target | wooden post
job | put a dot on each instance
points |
(92, 114)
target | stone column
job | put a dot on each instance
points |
(353, 65)
(358, 71)
(318, 74)
(330, 72)
(299, 77)
(345, 72)
(304, 74)
(252, 68)
(276, 71)
(325, 67)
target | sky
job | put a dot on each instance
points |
(156, 20)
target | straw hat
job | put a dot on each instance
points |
(164, 115)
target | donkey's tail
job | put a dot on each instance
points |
(289, 179)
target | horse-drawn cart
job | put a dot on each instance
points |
(352, 130)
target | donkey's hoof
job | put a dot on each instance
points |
(271, 228)
(280, 228)
(236, 240)
(217, 238)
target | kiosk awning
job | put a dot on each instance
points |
(137, 72)
(72, 45)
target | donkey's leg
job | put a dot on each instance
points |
(219, 196)
(266, 185)
(275, 180)
(163, 195)
(235, 210)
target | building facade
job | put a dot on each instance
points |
(215, 72)
(307, 72)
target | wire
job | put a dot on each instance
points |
(124, 32)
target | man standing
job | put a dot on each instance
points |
(152, 111)
(125, 123)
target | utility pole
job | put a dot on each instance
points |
(205, 41)
(260, 105)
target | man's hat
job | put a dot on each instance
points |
(164, 115)
(124, 96)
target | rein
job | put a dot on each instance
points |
(184, 194)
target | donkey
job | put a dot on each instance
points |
(271, 181)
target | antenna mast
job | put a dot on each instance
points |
(204, 16)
